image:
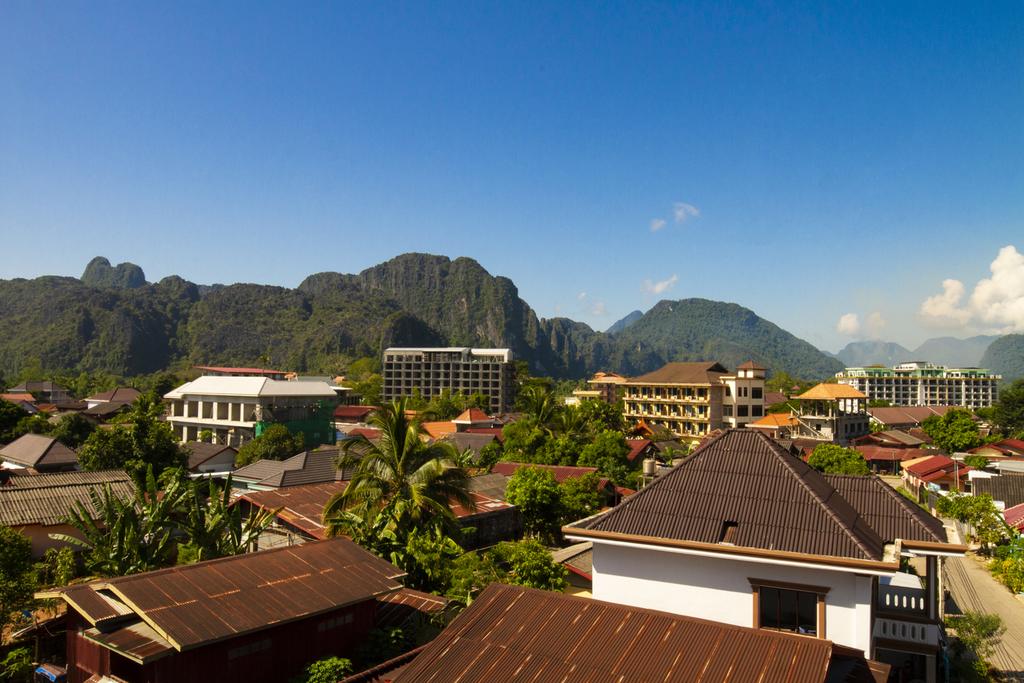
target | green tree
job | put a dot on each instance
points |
(607, 452)
(139, 440)
(977, 511)
(73, 429)
(470, 573)
(534, 491)
(832, 459)
(600, 416)
(1008, 411)
(529, 563)
(328, 670)
(127, 536)
(58, 568)
(977, 635)
(275, 443)
(539, 402)
(523, 440)
(17, 575)
(400, 486)
(10, 415)
(33, 424)
(579, 497)
(490, 454)
(978, 462)
(17, 666)
(954, 432)
(215, 528)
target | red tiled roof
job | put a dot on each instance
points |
(1015, 516)
(561, 472)
(636, 447)
(353, 412)
(882, 453)
(368, 432)
(473, 415)
(933, 464)
(27, 398)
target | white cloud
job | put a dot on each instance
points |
(682, 212)
(660, 287)
(874, 324)
(598, 308)
(995, 305)
(581, 296)
(657, 224)
(849, 324)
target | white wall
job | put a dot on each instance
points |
(719, 590)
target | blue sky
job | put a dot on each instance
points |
(824, 160)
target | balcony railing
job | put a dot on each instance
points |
(900, 599)
(907, 631)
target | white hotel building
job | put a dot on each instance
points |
(924, 384)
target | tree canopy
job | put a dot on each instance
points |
(275, 443)
(954, 432)
(139, 440)
(17, 574)
(833, 459)
(1008, 411)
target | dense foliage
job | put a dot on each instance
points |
(17, 574)
(545, 506)
(398, 500)
(977, 634)
(833, 459)
(1005, 356)
(115, 322)
(979, 512)
(275, 443)
(177, 520)
(328, 670)
(954, 432)
(1008, 411)
(140, 439)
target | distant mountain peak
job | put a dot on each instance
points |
(99, 273)
(620, 325)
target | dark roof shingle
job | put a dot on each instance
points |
(36, 450)
(775, 500)
(683, 373)
(1008, 488)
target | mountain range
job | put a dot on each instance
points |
(948, 351)
(112, 320)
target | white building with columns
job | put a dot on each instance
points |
(744, 533)
(231, 407)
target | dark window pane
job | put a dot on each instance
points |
(788, 617)
(808, 613)
(769, 607)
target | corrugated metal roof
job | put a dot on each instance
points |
(49, 498)
(300, 506)
(136, 640)
(397, 608)
(511, 633)
(889, 513)
(197, 604)
(1008, 488)
(307, 467)
(561, 472)
(776, 501)
(36, 450)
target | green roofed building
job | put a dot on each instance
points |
(920, 383)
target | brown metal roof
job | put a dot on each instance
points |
(119, 394)
(299, 506)
(889, 513)
(511, 633)
(36, 450)
(198, 604)
(397, 608)
(683, 373)
(137, 641)
(308, 467)
(49, 498)
(776, 501)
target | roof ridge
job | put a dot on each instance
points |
(851, 530)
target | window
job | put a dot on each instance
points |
(780, 609)
(727, 411)
(789, 607)
(757, 411)
(757, 392)
(741, 410)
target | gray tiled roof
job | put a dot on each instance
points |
(49, 498)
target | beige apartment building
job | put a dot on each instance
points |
(693, 399)
(430, 371)
(920, 383)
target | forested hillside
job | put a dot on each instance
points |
(112, 321)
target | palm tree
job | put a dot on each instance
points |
(399, 485)
(540, 402)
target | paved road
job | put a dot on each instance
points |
(972, 588)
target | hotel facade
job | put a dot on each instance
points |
(924, 384)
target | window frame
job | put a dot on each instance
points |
(818, 591)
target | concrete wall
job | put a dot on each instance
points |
(719, 589)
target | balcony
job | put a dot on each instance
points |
(902, 600)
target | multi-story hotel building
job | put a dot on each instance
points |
(924, 384)
(692, 399)
(237, 409)
(430, 371)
